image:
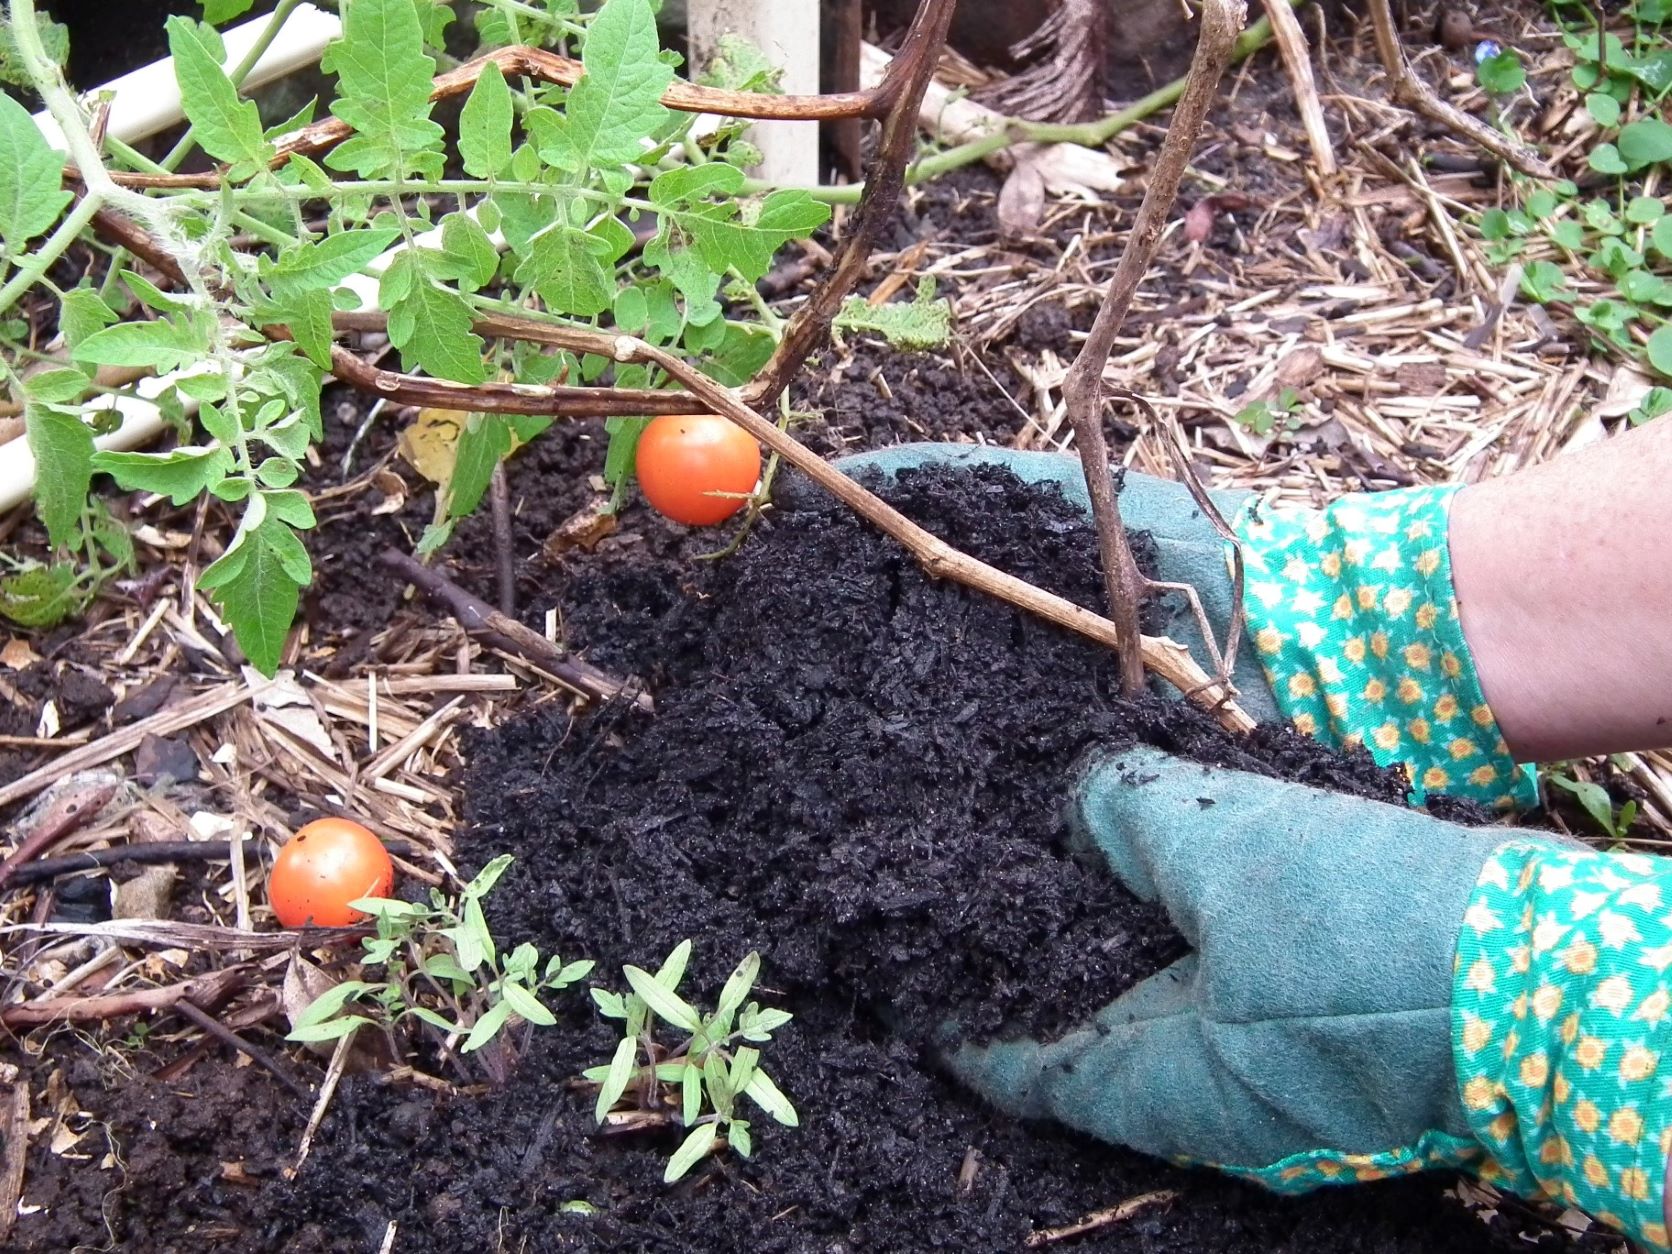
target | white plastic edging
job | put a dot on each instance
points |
(147, 100)
(143, 103)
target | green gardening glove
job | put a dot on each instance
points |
(1351, 616)
(1372, 992)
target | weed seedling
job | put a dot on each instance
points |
(444, 972)
(707, 1074)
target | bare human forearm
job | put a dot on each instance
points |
(1564, 582)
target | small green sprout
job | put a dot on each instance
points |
(444, 970)
(707, 1074)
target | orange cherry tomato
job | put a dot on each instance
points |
(683, 459)
(322, 868)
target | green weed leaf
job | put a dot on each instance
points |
(41, 597)
(1645, 142)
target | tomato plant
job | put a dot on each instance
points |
(697, 468)
(324, 867)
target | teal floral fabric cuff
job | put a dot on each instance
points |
(1353, 615)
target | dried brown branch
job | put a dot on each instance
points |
(1101, 1218)
(487, 624)
(1083, 387)
(203, 1019)
(907, 79)
(207, 989)
(523, 61)
(73, 811)
(1297, 60)
(1414, 93)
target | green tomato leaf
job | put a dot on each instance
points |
(383, 82)
(487, 1027)
(737, 1133)
(467, 254)
(181, 474)
(31, 178)
(485, 879)
(738, 984)
(320, 265)
(256, 584)
(564, 266)
(618, 100)
(227, 127)
(746, 242)
(162, 345)
(220, 12)
(770, 1098)
(483, 443)
(431, 327)
(81, 313)
(485, 125)
(58, 386)
(690, 1092)
(527, 1004)
(62, 445)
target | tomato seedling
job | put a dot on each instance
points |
(326, 866)
(697, 469)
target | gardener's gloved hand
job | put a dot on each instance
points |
(1352, 623)
(1372, 992)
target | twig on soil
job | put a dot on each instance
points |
(1297, 59)
(214, 987)
(502, 632)
(226, 1035)
(907, 79)
(14, 1152)
(205, 705)
(327, 1089)
(1083, 387)
(150, 853)
(1101, 1218)
(1416, 94)
(67, 817)
(505, 571)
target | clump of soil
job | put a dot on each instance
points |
(861, 773)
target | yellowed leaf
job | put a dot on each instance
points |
(430, 443)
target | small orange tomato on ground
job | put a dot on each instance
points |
(683, 459)
(322, 868)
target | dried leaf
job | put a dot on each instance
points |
(430, 442)
(1198, 221)
(581, 530)
(1022, 201)
(17, 655)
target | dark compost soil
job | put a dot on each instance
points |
(860, 773)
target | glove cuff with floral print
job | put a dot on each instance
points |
(1353, 615)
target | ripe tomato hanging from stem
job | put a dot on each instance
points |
(322, 868)
(685, 460)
